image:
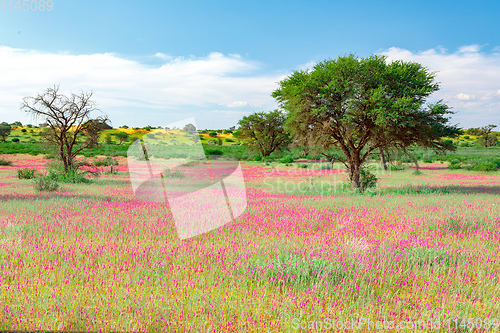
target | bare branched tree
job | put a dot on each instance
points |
(66, 117)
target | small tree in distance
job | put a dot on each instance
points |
(66, 117)
(5, 130)
(264, 132)
(122, 136)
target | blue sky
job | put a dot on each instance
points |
(158, 62)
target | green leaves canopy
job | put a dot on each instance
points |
(359, 105)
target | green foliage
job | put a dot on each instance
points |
(386, 107)
(23, 130)
(211, 142)
(213, 152)
(368, 179)
(5, 162)
(421, 256)
(107, 139)
(287, 159)
(219, 141)
(45, 184)
(212, 134)
(190, 128)
(15, 140)
(74, 176)
(487, 163)
(291, 270)
(455, 165)
(122, 136)
(229, 140)
(108, 161)
(27, 173)
(264, 132)
(486, 166)
(167, 173)
(428, 158)
(398, 166)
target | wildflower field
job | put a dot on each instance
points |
(89, 257)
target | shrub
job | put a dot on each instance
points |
(229, 140)
(466, 137)
(56, 172)
(212, 134)
(23, 130)
(219, 141)
(486, 166)
(167, 173)
(368, 179)
(428, 158)
(15, 140)
(45, 184)
(287, 159)
(211, 142)
(397, 166)
(455, 165)
(108, 161)
(5, 162)
(27, 173)
(214, 152)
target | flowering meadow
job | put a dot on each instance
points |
(90, 257)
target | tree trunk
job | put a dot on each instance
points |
(382, 159)
(416, 163)
(355, 175)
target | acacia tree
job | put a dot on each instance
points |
(66, 117)
(4, 130)
(360, 105)
(264, 132)
(487, 138)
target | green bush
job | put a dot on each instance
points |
(212, 134)
(27, 173)
(23, 130)
(229, 140)
(214, 152)
(74, 176)
(397, 166)
(15, 140)
(486, 166)
(45, 184)
(108, 161)
(5, 162)
(368, 179)
(167, 173)
(455, 165)
(287, 159)
(428, 158)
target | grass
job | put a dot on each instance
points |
(90, 257)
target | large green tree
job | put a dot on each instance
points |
(362, 104)
(264, 132)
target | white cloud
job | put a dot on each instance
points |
(469, 49)
(237, 104)
(465, 97)
(467, 70)
(120, 84)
